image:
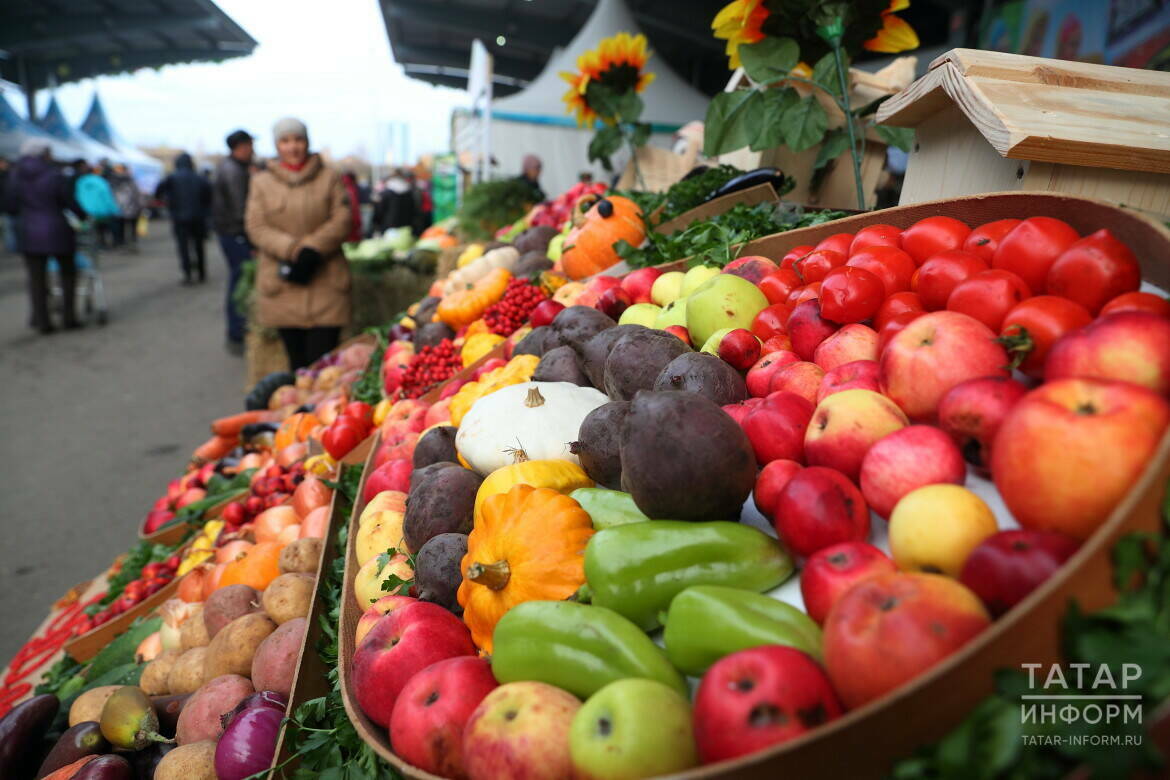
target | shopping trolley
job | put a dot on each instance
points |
(91, 292)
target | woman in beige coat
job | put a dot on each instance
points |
(297, 216)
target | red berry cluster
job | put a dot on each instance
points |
(428, 367)
(272, 488)
(505, 316)
(154, 577)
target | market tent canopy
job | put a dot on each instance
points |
(146, 170)
(55, 124)
(15, 130)
(57, 41)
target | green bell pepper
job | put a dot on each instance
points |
(608, 508)
(577, 647)
(636, 569)
(708, 622)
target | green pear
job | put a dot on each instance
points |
(711, 345)
(724, 301)
(673, 313)
(640, 314)
(555, 247)
(667, 288)
(632, 728)
(694, 279)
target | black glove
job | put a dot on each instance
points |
(302, 268)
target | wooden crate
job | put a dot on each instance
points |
(761, 193)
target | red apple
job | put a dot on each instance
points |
(858, 375)
(972, 412)
(681, 332)
(405, 416)
(801, 378)
(376, 611)
(770, 484)
(449, 389)
(439, 413)
(893, 326)
(933, 354)
(776, 427)
(759, 377)
(808, 329)
(778, 342)
(401, 450)
(740, 349)
(820, 507)
(391, 475)
(888, 629)
(593, 289)
(426, 726)
(1009, 565)
(908, 459)
(739, 411)
(845, 425)
(400, 645)
(520, 731)
(755, 698)
(1129, 346)
(1070, 450)
(613, 301)
(853, 342)
(545, 311)
(162, 502)
(751, 267)
(830, 572)
(637, 284)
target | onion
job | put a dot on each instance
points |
(149, 648)
(248, 743)
(174, 613)
(274, 700)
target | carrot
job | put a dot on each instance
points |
(214, 448)
(233, 424)
(69, 770)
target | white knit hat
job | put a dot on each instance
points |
(290, 126)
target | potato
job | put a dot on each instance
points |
(193, 632)
(289, 596)
(88, 706)
(226, 604)
(232, 649)
(300, 556)
(275, 663)
(201, 716)
(155, 674)
(188, 762)
(186, 676)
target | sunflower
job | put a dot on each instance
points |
(616, 64)
(739, 22)
(895, 34)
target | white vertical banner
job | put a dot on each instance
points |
(479, 90)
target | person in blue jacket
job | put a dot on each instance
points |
(94, 195)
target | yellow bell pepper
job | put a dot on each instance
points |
(193, 559)
(518, 369)
(321, 465)
(381, 410)
(477, 346)
(559, 475)
(472, 252)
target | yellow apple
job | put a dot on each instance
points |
(694, 279)
(378, 534)
(367, 583)
(640, 314)
(673, 313)
(387, 499)
(667, 288)
(934, 528)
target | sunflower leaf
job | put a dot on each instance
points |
(835, 142)
(769, 128)
(771, 59)
(803, 124)
(731, 121)
(901, 137)
(825, 74)
(605, 142)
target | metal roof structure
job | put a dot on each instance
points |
(43, 42)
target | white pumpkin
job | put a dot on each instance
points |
(539, 418)
(462, 278)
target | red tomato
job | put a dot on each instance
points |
(814, 266)
(838, 242)
(770, 321)
(876, 235)
(794, 254)
(359, 410)
(1033, 326)
(942, 273)
(342, 436)
(806, 293)
(778, 284)
(888, 263)
(1138, 301)
(989, 296)
(894, 326)
(1095, 270)
(898, 303)
(1031, 249)
(850, 294)
(985, 238)
(932, 235)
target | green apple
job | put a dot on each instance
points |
(667, 288)
(555, 247)
(640, 314)
(725, 301)
(632, 728)
(711, 345)
(673, 313)
(695, 278)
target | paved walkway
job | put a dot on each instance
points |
(93, 423)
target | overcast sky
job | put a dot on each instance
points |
(328, 63)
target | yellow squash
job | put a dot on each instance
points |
(559, 475)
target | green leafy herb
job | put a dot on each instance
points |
(393, 583)
(368, 387)
(491, 205)
(58, 674)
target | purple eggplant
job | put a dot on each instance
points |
(248, 743)
(21, 732)
(108, 767)
(84, 739)
(168, 708)
(147, 760)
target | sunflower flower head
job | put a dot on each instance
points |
(615, 64)
(739, 22)
(895, 34)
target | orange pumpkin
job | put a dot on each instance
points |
(296, 427)
(464, 307)
(256, 568)
(589, 248)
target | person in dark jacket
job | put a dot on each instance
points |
(188, 199)
(229, 195)
(38, 195)
(395, 205)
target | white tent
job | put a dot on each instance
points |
(15, 130)
(55, 124)
(146, 170)
(533, 121)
